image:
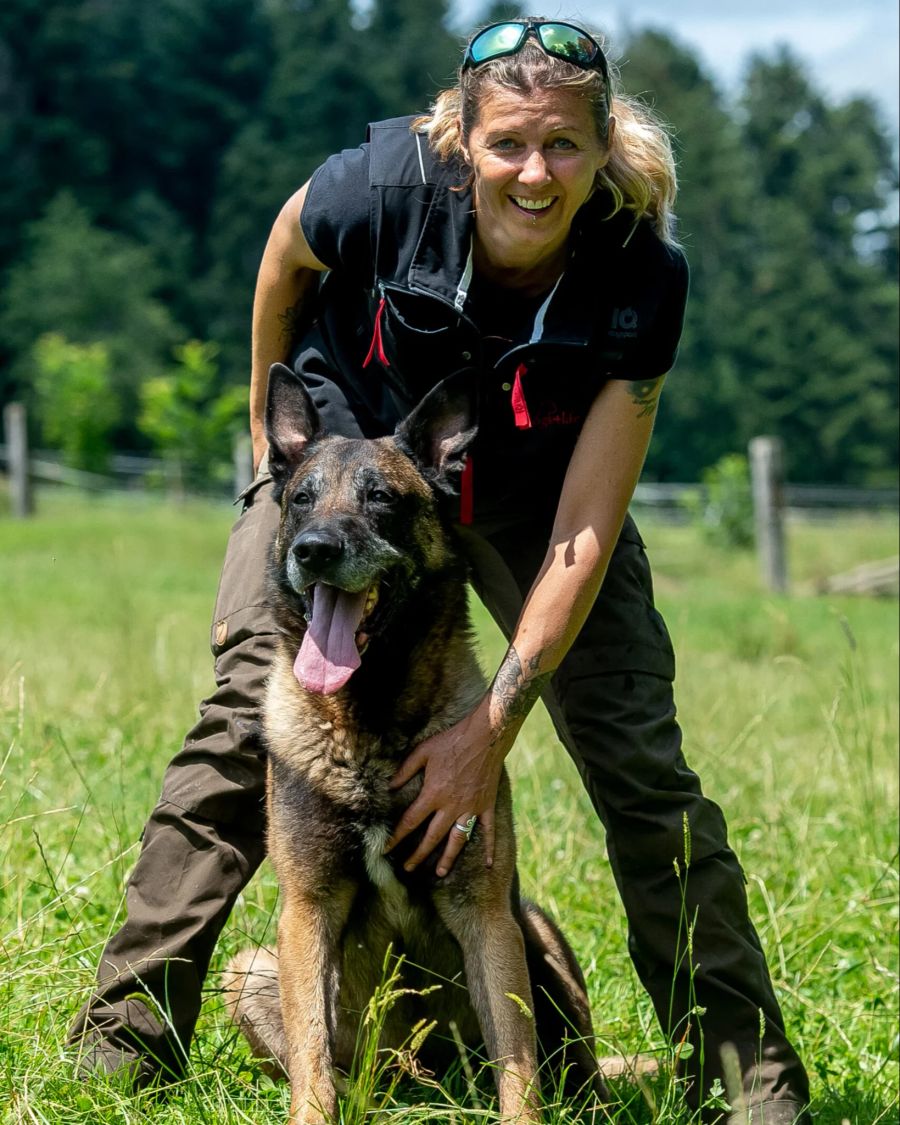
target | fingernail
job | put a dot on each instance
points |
(441, 872)
(409, 867)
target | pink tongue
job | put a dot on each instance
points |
(328, 656)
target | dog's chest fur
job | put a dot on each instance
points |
(330, 770)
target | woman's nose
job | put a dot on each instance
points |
(534, 171)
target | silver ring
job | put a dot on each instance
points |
(468, 828)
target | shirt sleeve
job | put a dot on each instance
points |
(663, 319)
(660, 345)
(336, 215)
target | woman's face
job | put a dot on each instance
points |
(534, 158)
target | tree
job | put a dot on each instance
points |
(792, 323)
(717, 217)
(331, 75)
(189, 418)
(90, 285)
(128, 107)
(821, 347)
(421, 55)
(78, 409)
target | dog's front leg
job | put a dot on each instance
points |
(309, 934)
(494, 955)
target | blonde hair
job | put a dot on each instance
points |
(640, 173)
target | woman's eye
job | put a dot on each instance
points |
(562, 142)
(505, 144)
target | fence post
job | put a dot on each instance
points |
(242, 462)
(15, 427)
(767, 476)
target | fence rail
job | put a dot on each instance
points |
(127, 472)
(801, 497)
(130, 470)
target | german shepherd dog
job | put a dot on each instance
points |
(368, 589)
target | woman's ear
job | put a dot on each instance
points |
(464, 152)
(611, 132)
(610, 141)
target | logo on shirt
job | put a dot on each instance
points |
(624, 323)
(553, 415)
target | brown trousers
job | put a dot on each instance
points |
(612, 704)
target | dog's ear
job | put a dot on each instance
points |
(440, 430)
(292, 421)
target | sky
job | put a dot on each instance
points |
(849, 48)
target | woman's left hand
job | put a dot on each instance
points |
(462, 769)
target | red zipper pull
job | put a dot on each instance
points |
(377, 345)
(466, 494)
(519, 405)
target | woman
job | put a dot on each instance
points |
(522, 229)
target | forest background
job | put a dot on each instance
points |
(145, 149)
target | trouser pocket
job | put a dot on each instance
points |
(241, 602)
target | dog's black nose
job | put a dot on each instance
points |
(316, 548)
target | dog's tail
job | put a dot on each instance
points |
(250, 987)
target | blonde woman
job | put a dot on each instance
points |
(523, 230)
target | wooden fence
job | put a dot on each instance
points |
(774, 499)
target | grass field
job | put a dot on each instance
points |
(790, 711)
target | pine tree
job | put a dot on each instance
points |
(821, 351)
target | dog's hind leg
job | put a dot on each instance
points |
(561, 1007)
(250, 987)
(309, 934)
(494, 954)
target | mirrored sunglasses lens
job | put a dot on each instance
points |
(496, 41)
(568, 42)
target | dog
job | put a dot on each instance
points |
(368, 589)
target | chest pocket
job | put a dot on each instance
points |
(420, 339)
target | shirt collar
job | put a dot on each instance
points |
(442, 262)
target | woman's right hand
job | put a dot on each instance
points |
(462, 769)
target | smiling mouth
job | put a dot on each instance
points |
(533, 207)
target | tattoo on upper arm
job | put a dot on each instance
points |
(645, 396)
(515, 688)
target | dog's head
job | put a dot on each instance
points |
(361, 527)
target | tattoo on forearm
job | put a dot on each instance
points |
(645, 395)
(290, 323)
(515, 688)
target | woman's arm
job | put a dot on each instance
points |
(462, 765)
(286, 283)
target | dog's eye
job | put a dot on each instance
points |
(301, 499)
(380, 496)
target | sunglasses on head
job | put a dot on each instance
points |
(562, 40)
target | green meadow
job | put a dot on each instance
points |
(789, 705)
